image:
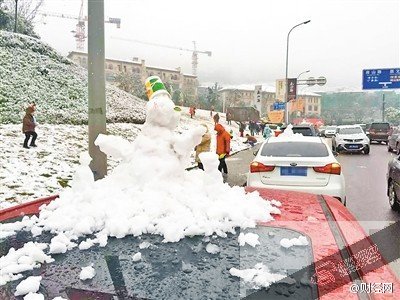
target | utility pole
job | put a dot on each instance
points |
(16, 16)
(383, 107)
(96, 86)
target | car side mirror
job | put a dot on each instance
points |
(255, 153)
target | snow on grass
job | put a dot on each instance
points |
(32, 71)
(26, 175)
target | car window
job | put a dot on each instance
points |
(350, 130)
(303, 130)
(331, 128)
(380, 126)
(294, 149)
(182, 270)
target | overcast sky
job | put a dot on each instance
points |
(247, 37)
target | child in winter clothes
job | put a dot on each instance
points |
(28, 126)
(204, 146)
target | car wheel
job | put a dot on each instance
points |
(366, 150)
(393, 200)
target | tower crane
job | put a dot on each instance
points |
(80, 31)
(194, 51)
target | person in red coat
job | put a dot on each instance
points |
(223, 147)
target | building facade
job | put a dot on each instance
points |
(307, 104)
(245, 95)
(182, 85)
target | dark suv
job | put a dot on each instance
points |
(379, 132)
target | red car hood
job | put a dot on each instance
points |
(309, 213)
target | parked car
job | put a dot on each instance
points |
(321, 131)
(350, 138)
(394, 141)
(330, 131)
(304, 129)
(379, 132)
(393, 183)
(363, 127)
(186, 270)
(297, 164)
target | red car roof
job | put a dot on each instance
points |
(298, 213)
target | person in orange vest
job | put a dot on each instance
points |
(223, 148)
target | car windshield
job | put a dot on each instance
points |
(182, 270)
(294, 149)
(331, 128)
(350, 130)
(380, 126)
(303, 130)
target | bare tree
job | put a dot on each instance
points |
(27, 9)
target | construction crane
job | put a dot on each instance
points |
(80, 31)
(194, 51)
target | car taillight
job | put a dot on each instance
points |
(256, 167)
(333, 168)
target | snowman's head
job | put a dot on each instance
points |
(161, 112)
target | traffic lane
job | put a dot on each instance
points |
(366, 185)
(238, 166)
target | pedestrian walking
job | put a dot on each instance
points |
(229, 118)
(242, 127)
(251, 140)
(191, 112)
(267, 132)
(252, 127)
(223, 148)
(28, 126)
(211, 111)
(204, 146)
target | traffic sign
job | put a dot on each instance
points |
(321, 80)
(378, 79)
(279, 105)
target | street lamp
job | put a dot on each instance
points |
(302, 73)
(286, 74)
(15, 16)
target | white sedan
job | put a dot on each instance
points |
(297, 163)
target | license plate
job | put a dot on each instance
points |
(353, 147)
(293, 171)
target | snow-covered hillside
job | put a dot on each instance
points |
(32, 71)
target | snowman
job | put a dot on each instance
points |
(159, 151)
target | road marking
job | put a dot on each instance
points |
(234, 158)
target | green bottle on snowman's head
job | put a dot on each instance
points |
(155, 87)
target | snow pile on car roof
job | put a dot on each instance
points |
(149, 192)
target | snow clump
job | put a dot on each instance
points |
(248, 238)
(258, 277)
(29, 285)
(87, 272)
(300, 241)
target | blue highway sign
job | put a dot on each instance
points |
(279, 105)
(378, 79)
